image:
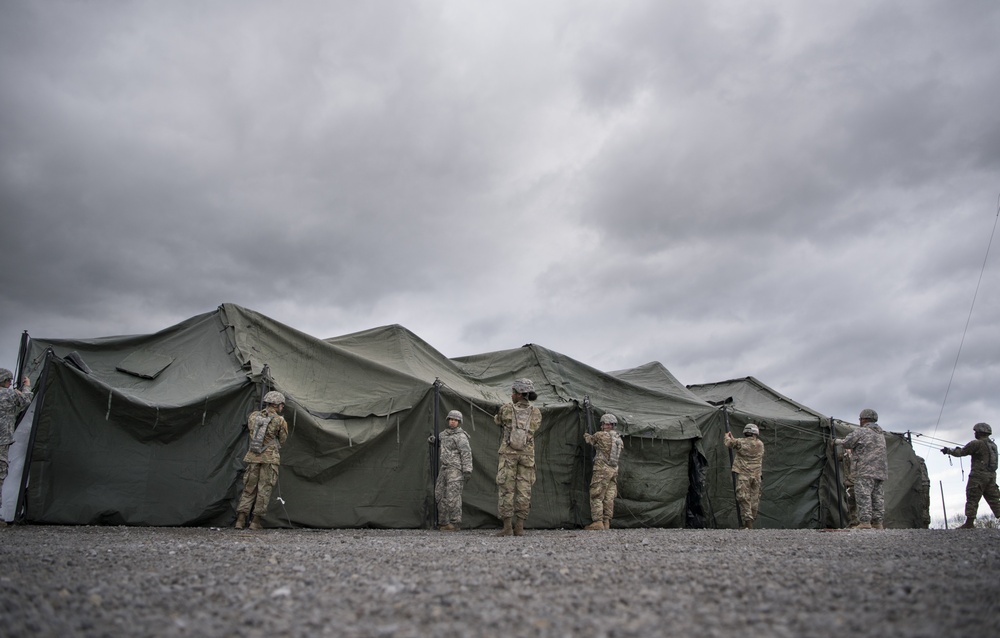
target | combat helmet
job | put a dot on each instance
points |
(523, 386)
(6, 375)
(869, 414)
(274, 397)
(454, 414)
(609, 419)
(750, 428)
(982, 428)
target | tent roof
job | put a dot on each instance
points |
(749, 394)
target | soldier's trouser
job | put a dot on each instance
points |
(748, 495)
(871, 499)
(258, 480)
(850, 494)
(603, 489)
(4, 449)
(448, 492)
(515, 476)
(981, 485)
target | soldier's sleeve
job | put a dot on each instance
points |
(851, 439)
(536, 419)
(23, 399)
(588, 438)
(966, 450)
(498, 418)
(465, 454)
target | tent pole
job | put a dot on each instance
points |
(435, 451)
(739, 514)
(943, 508)
(836, 473)
(21, 507)
(22, 355)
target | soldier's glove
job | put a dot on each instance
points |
(430, 439)
(945, 450)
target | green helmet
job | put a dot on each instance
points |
(982, 428)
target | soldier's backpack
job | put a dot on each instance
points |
(258, 429)
(616, 450)
(519, 427)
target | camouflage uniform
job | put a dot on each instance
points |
(455, 466)
(604, 482)
(262, 469)
(850, 491)
(748, 463)
(516, 470)
(12, 402)
(982, 476)
(870, 466)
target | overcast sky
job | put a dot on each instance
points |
(802, 192)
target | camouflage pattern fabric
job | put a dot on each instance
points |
(983, 453)
(749, 455)
(277, 433)
(604, 481)
(262, 469)
(258, 481)
(980, 485)
(603, 490)
(448, 493)
(748, 495)
(850, 491)
(455, 463)
(871, 499)
(516, 468)
(456, 452)
(869, 458)
(11, 403)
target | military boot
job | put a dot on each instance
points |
(865, 525)
(507, 530)
(519, 527)
(607, 523)
(877, 525)
(255, 522)
(748, 524)
(241, 520)
(450, 527)
(970, 523)
(595, 525)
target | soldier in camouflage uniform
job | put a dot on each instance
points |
(455, 469)
(604, 482)
(268, 431)
(748, 463)
(983, 476)
(12, 402)
(870, 465)
(516, 469)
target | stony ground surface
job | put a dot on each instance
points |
(117, 581)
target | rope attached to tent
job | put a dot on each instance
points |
(969, 319)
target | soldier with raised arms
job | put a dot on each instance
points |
(516, 468)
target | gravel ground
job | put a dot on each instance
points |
(115, 581)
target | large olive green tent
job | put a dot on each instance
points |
(801, 478)
(149, 430)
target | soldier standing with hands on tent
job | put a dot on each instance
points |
(516, 468)
(455, 470)
(748, 464)
(871, 469)
(11, 403)
(983, 476)
(268, 431)
(604, 482)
